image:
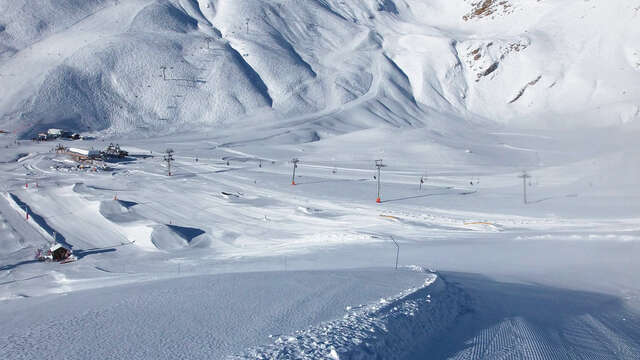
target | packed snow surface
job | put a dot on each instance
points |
(220, 252)
(226, 258)
(197, 317)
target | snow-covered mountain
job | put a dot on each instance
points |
(466, 179)
(316, 67)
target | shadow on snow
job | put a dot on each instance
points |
(534, 321)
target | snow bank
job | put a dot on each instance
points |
(388, 329)
(171, 237)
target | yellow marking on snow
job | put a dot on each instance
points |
(390, 217)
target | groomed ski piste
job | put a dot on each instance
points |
(226, 258)
(265, 269)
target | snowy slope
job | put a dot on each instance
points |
(232, 216)
(161, 66)
(463, 94)
(199, 317)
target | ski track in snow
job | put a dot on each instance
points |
(518, 339)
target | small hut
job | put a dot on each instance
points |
(56, 252)
(59, 252)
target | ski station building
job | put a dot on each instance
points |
(82, 154)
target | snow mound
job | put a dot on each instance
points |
(172, 237)
(118, 211)
(148, 233)
(82, 188)
(315, 212)
(388, 329)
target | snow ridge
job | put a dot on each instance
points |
(389, 329)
